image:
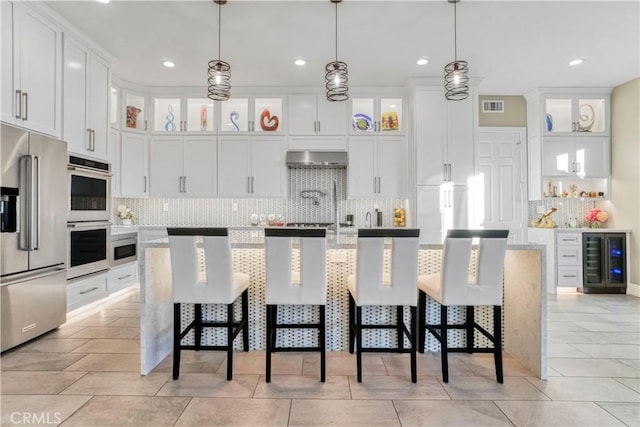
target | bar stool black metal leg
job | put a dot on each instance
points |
(268, 342)
(274, 327)
(321, 341)
(443, 343)
(470, 328)
(229, 341)
(412, 339)
(198, 325)
(245, 319)
(359, 338)
(400, 326)
(351, 324)
(497, 341)
(422, 319)
(176, 340)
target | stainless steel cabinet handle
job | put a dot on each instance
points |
(449, 172)
(577, 166)
(252, 185)
(319, 123)
(18, 104)
(444, 172)
(145, 125)
(93, 140)
(249, 184)
(375, 183)
(88, 290)
(180, 184)
(184, 183)
(379, 185)
(569, 256)
(569, 275)
(25, 96)
(145, 184)
(253, 126)
(124, 277)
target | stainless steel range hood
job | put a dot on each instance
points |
(317, 159)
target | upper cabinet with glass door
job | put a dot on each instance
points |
(114, 108)
(135, 111)
(376, 114)
(183, 114)
(251, 115)
(565, 114)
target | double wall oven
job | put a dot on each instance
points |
(88, 225)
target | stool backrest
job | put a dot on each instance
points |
(188, 284)
(486, 288)
(310, 287)
(370, 279)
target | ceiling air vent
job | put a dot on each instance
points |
(493, 106)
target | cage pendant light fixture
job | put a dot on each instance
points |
(219, 72)
(336, 77)
(456, 73)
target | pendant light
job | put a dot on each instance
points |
(336, 77)
(456, 73)
(219, 72)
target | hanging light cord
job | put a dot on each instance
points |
(336, 32)
(219, 27)
(455, 31)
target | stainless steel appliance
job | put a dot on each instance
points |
(89, 190)
(317, 159)
(32, 238)
(604, 262)
(124, 248)
(88, 248)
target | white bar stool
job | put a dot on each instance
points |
(370, 286)
(213, 283)
(308, 286)
(454, 287)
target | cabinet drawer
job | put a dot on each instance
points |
(570, 276)
(569, 255)
(569, 239)
(85, 290)
(122, 277)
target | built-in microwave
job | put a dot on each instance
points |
(124, 248)
(88, 244)
(89, 190)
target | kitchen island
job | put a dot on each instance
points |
(524, 336)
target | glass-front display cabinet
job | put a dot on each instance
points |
(568, 114)
(114, 109)
(376, 114)
(135, 109)
(251, 115)
(183, 115)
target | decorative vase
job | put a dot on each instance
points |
(594, 224)
(126, 221)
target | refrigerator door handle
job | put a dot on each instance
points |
(26, 183)
(36, 209)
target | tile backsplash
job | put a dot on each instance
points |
(567, 208)
(305, 184)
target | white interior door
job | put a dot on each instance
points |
(498, 188)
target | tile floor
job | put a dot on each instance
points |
(86, 373)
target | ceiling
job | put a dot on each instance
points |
(513, 46)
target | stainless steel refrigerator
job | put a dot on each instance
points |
(33, 213)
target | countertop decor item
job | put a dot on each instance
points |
(549, 120)
(203, 117)
(268, 122)
(132, 116)
(545, 221)
(389, 121)
(170, 126)
(126, 215)
(399, 217)
(586, 118)
(219, 72)
(595, 217)
(362, 122)
(456, 73)
(233, 116)
(336, 75)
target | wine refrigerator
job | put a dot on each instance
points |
(604, 262)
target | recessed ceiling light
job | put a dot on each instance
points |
(168, 64)
(576, 61)
(422, 61)
(300, 62)
(103, 1)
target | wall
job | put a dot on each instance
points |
(515, 112)
(624, 206)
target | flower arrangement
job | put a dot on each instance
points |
(596, 216)
(126, 213)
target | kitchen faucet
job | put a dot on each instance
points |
(367, 220)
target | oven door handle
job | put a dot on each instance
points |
(92, 171)
(95, 224)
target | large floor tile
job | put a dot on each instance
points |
(118, 383)
(126, 305)
(110, 346)
(485, 366)
(567, 337)
(343, 363)
(253, 363)
(27, 382)
(548, 414)
(22, 361)
(450, 413)
(628, 413)
(573, 367)
(126, 322)
(123, 411)
(195, 362)
(392, 387)
(610, 351)
(22, 410)
(342, 413)
(564, 350)
(613, 327)
(428, 364)
(65, 331)
(116, 312)
(210, 385)
(92, 320)
(235, 412)
(632, 383)
(52, 345)
(486, 388)
(107, 363)
(628, 338)
(585, 389)
(108, 332)
(303, 387)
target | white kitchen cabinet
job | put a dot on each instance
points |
(122, 277)
(115, 109)
(85, 101)
(376, 167)
(440, 208)
(314, 115)
(134, 166)
(31, 69)
(576, 113)
(259, 114)
(183, 114)
(251, 166)
(444, 138)
(134, 111)
(376, 114)
(85, 290)
(569, 259)
(182, 166)
(576, 156)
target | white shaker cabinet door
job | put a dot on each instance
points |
(98, 108)
(267, 167)
(134, 175)
(7, 94)
(391, 170)
(200, 166)
(75, 124)
(331, 117)
(431, 136)
(165, 166)
(362, 170)
(233, 166)
(302, 114)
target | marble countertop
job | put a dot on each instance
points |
(584, 230)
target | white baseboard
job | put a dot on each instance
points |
(633, 289)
